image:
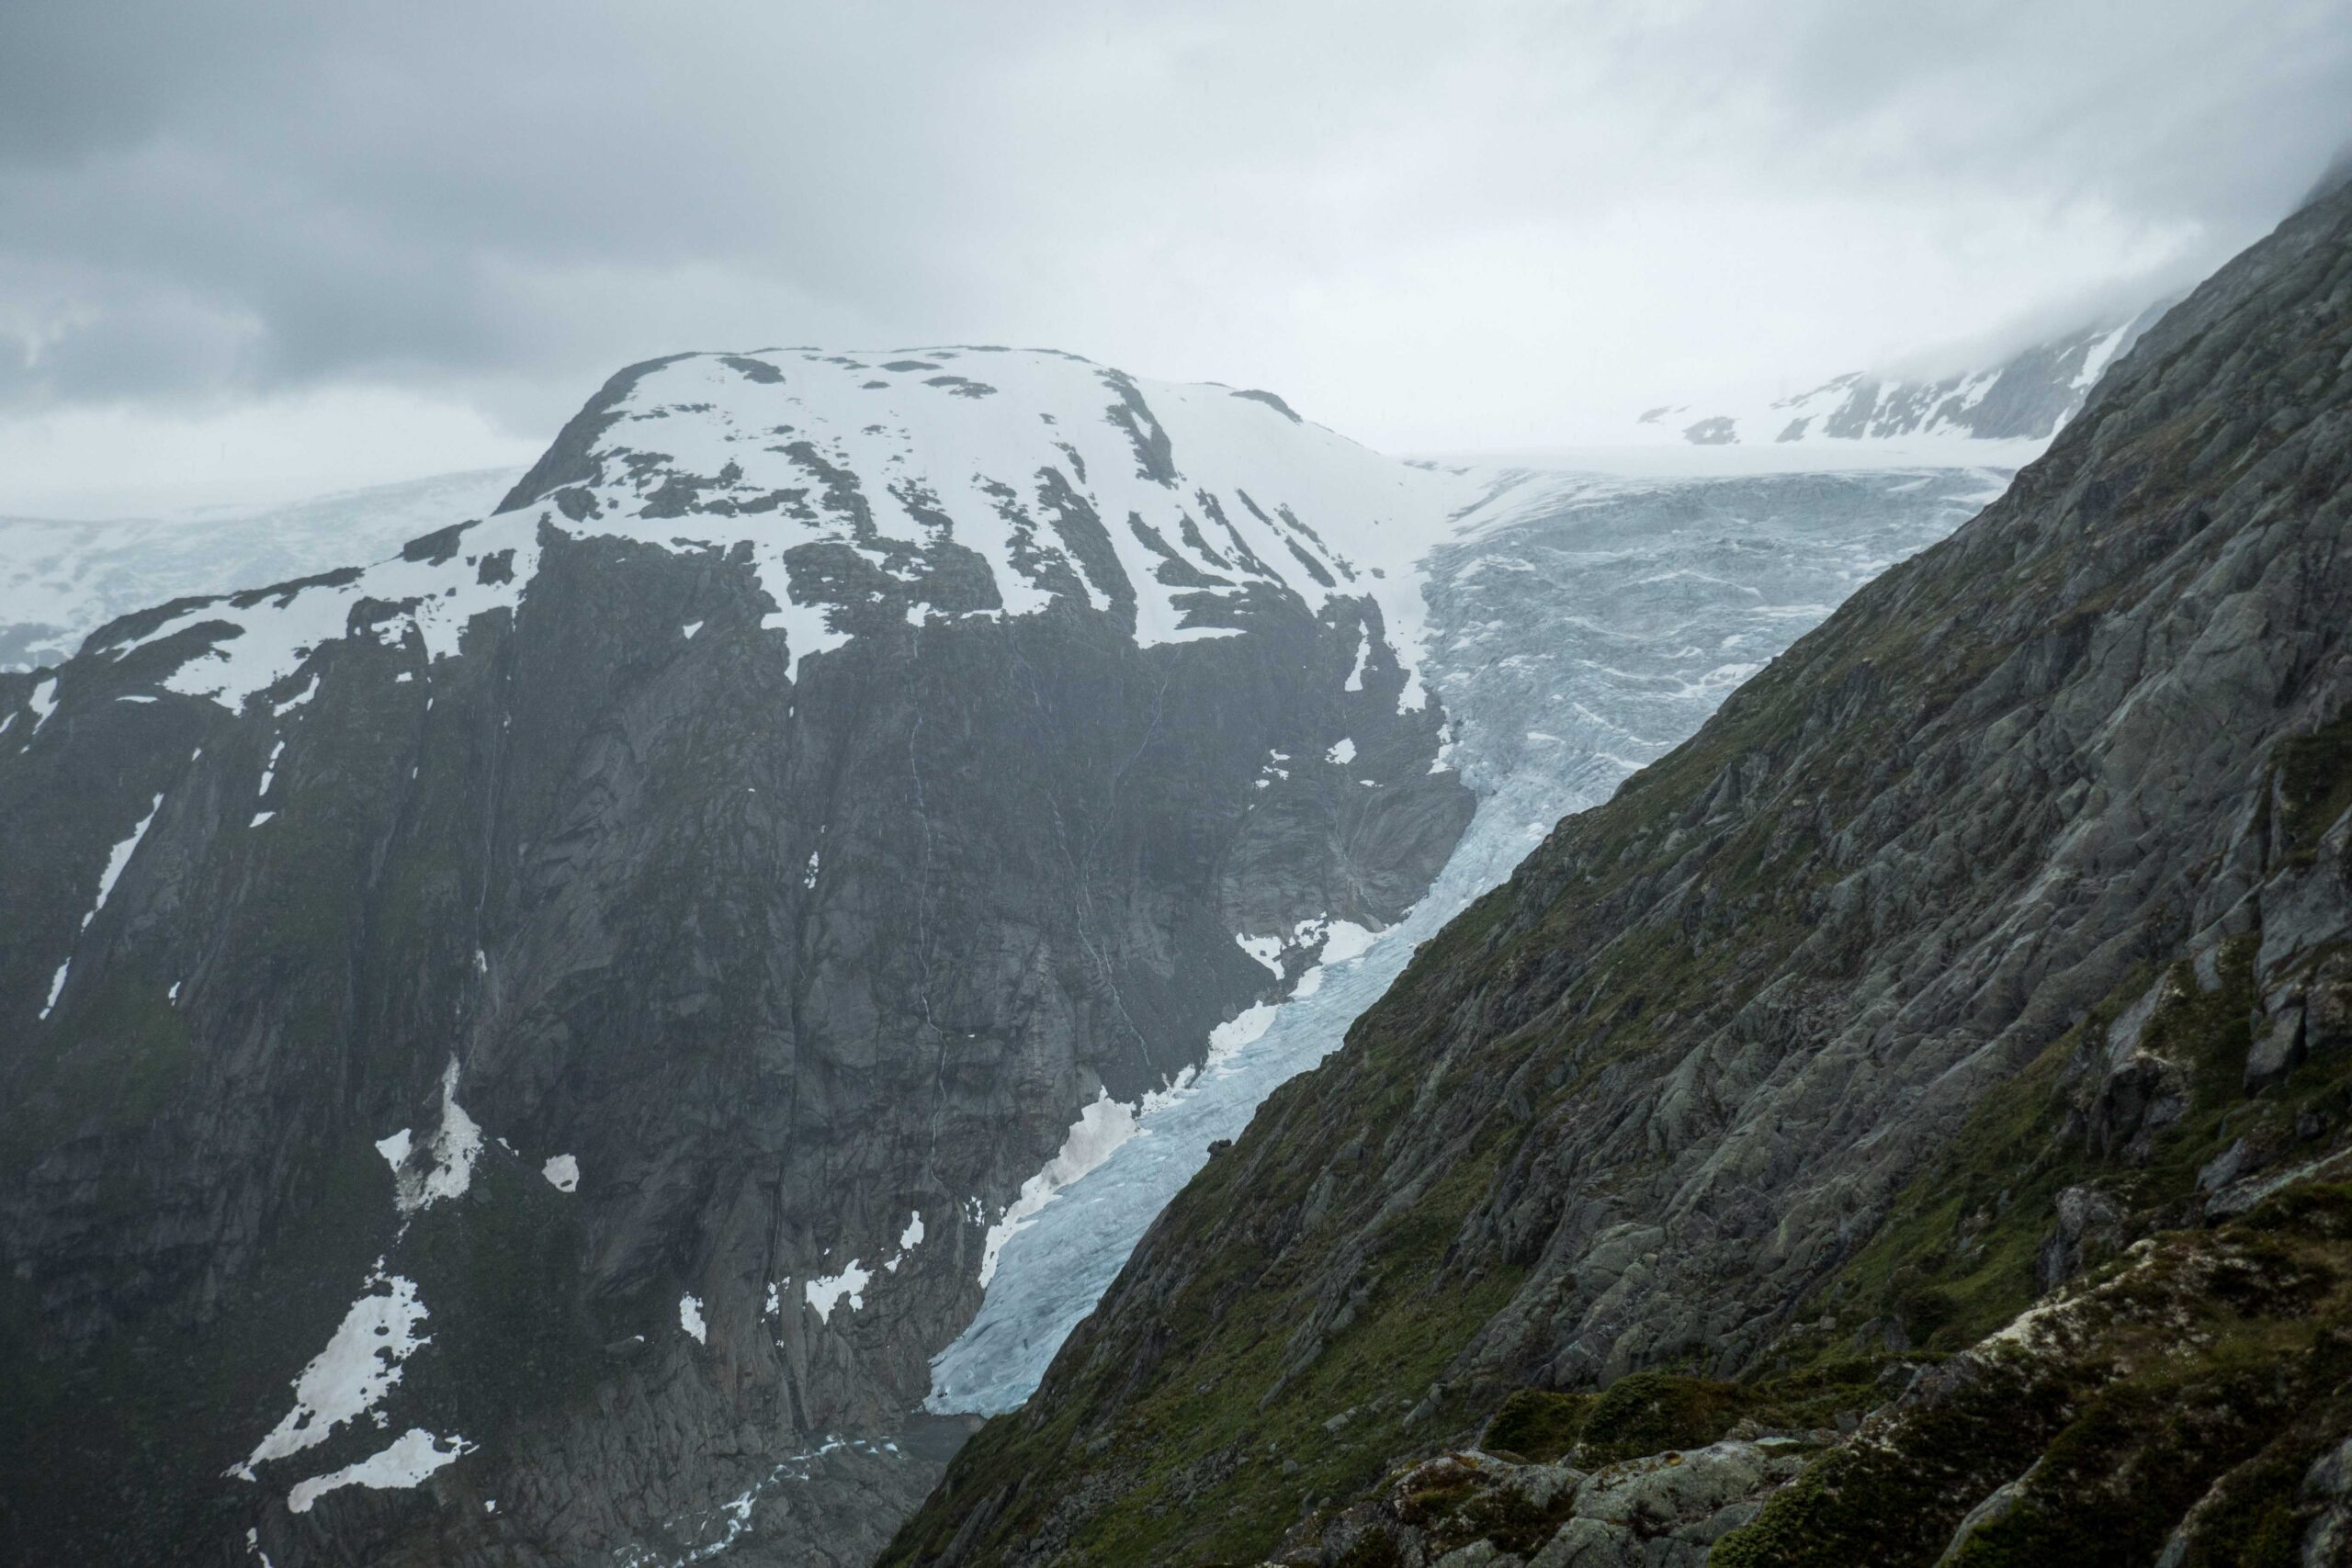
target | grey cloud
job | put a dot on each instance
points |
(242, 197)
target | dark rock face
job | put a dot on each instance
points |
(1975, 939)
(638, 1013)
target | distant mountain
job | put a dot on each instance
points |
(2027, 397)
(62, 580)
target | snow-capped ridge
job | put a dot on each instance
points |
(868, 488)
(2027, 396)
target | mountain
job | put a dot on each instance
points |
(2026, 397)
(1906, 1124)
(62, 580)
(518, 1050)
(525, 1050)
(1580, 626)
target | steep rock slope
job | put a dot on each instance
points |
(516, 1052)
(2005, 920)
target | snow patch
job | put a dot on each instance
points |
(1100, 1128)
(688, 630)
(455, 1148)
(56, 988)
(690, 1318)
(412, 1457)
(909, 1239)
(1342, 753)
(1244, 1028)
(562, 1172)
(118, 858)
(356, 1369)
(822, 1294)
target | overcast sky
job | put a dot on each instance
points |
(253, 249)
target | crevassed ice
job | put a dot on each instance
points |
(1579, 629)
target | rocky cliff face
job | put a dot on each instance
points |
(1996, 941)
(516, 1052)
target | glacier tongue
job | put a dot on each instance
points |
(1576, 634)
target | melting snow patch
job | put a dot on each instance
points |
(119, 858)
(414, 1455)
(56, 987)
(909, 1239)
(1343, 753)
(562, 1172)
(297, 699)
(358, 1366)
(824, 1293)
(1266, 950)
(1100, 1128)
(809, 877)
(269, 769)
(690, 1318)
(43, 700)
(1243, 1029)
(455, 1148)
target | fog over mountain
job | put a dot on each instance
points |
(246, 253)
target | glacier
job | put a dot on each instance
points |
(1580, 627)
(60, 580)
